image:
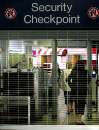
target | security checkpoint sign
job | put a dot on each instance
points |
(44, 14)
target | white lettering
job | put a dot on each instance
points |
(34, 7)
(27, 19)
(63, 7)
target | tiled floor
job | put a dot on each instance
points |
(64, 118)
(69, 120)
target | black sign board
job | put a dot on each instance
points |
(36, 14)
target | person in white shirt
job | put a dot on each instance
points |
(67, 90)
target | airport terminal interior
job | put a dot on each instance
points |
(31, 82)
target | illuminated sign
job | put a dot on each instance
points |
(46, 14)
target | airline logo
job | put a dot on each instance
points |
(93, 13)
(10, 13)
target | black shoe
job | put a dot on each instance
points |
(80, 123)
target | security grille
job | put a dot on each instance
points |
(30, 91)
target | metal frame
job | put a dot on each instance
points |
(89, 92)
(49, 35)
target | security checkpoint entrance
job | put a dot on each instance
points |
(29, 90)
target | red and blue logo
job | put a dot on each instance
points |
(93, 13)
(10, 13)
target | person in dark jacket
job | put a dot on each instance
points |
(78, 80)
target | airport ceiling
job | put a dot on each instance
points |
(50, 34)
(65, 38)
(48, 43)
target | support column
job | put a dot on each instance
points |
(89, 92)
(28, 50)
(4, 53)
(29, 113)
(54, 80)
(3, 61)
(97, 76)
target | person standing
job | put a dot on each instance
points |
(67, 89)
(78, 80)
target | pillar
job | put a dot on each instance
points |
(4, 53)
(28, 52)
(89, 92)
(54, 80)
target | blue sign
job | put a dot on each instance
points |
(37, 14)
